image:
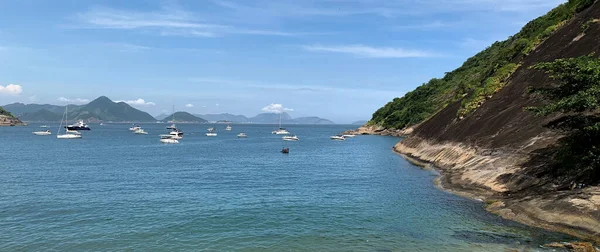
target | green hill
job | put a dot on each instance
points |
(104, 109)
(100, 109)
(185, 117)
(479, 78)
(42, 115)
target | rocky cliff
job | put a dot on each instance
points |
(500, 152)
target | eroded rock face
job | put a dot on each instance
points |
(573, 246)
(381, 131)
(497, 176)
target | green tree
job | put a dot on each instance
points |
(577, 98)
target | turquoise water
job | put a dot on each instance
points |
(115, 191)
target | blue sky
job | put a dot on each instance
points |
(337, 59)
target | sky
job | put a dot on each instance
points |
(336, 59)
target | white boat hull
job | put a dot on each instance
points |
(68, 136)
(349, 136)
(169, 141)
(337, 138)
(42, 133)
(211, 134)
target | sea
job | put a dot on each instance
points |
(113, 190)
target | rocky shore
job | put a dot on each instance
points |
(10, 121)
(493, 177)
(380, 131)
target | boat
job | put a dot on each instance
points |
(169, 141)
(242, 135)
(337, 137)
(42, 133)
(349, 136)
(140, 132)
(44, 126)
(280, 131)
(172, 127)
(176, 134)
(74, 132)
(228, 128)
(285, 150)
(211, 132)
(69, 134)
(135, 127)
(101, 124)
(290, 138)
(78, 126)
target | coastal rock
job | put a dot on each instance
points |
(10, 121)
(497, 177)
(573, 246)
(380, 131)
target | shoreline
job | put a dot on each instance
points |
(526, 207)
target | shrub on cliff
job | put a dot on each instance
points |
(577, 96)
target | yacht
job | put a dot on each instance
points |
(169, 141)
(338, 137)
(242, 135)
(211, 132)
(176, 134)
(290, 138)
(70, 134)
(135, 127)
(78, 126)
(280, 131)
(228, 128)
(140, 132)
(172, 127)
(42, 133)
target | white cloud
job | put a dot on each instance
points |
(76, 100)
(11, 89)
(138, 102)
(370, 52)
(276, 108)
(189, 105)
(169, 21)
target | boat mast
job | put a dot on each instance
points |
(280, 120)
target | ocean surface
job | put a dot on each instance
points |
(113, 190)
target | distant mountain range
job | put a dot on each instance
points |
(363, 122)
(100, 109)
(104, 109)
(184, 117)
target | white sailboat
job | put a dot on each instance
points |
(280, 131)
(69, 134)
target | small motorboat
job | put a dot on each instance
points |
(242, 135)
(285, 150)
(135, 128)
(169, 141)
(44, 126)
(42, 133)
(290, 138)
(349, 136)
(338, 138)
(228, 128)
(141, 132)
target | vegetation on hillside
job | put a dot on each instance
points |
(4, 112)
(577, 96)
(479, 77)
